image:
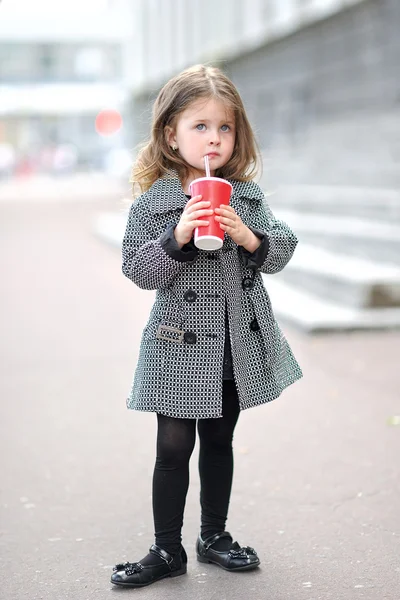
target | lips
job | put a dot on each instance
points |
(212, 155)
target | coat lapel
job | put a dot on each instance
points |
(166, 194)
(243, 195)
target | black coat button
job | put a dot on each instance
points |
(190, 337)
(247, 283)
(254, 326)
(190, 296)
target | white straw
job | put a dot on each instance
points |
(207, 165)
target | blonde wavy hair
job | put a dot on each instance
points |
(156, 159)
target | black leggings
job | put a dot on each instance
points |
(175, 443)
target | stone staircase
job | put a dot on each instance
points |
(342, 198)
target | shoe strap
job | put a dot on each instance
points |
(214, 538)
(162, 554)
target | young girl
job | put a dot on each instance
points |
(211, 346)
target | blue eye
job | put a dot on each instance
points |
(200, 126)
(225, 128)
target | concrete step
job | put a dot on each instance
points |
(381, 204)
(365, 238)
(348, 281)
(313, 315)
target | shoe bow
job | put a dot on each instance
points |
(129, 568)
(241, 552)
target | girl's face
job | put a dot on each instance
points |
(207, 126)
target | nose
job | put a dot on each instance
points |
(215, 139)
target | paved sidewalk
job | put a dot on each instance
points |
(44, 188)
(317, 481)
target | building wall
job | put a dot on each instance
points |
(172, 34)
(80, 61)
(332, 65)
(348, 63)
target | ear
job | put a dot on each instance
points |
(170, 136)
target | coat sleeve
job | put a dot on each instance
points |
(279, 245)
(149, 261)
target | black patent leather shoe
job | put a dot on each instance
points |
(237, 558)
(138, 575)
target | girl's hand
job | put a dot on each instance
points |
(189, 220)
(231, 223)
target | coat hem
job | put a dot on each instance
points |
(131, 405)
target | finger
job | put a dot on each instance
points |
(200, 223)
(226, 221)
(226, 209)
(196, 206)
(229, 230)
(200, 213)
(193, 199)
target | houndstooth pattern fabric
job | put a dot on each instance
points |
(180, 365)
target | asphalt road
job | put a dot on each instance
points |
(317, 483)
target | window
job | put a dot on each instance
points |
(18, 62)
(35, 63)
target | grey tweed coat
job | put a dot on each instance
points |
(179, 370)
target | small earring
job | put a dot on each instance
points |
(174, 147)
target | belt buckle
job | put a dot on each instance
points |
(170, 334)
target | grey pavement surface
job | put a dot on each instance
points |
(316, 488)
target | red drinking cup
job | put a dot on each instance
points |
(217, 191)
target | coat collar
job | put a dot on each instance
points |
(167, 194)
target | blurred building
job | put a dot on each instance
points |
(60, 65)
(297, 63)
(320, 81)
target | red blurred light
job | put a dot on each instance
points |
(108, 122)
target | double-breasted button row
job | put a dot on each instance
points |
(254, 326)
(190, 337)
(247, 283)
(190, 296)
